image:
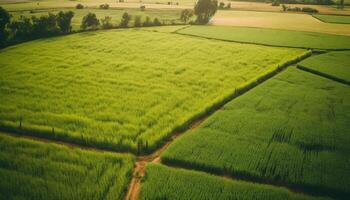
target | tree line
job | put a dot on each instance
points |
(29, 28)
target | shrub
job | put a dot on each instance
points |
(4, 21)
(125, 20)
(221, 5)
(45, 25)
(79, 6)
(275, 3)
(309, 10)
(284, 8)
(90, 21)
(156, 22)
(228, 6)
(147, 22)
(186, 15)
(143, 8)
(137, 21)
(104, 6)
(106, 22)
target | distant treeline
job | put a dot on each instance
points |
(29, 28)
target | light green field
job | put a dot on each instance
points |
(162, 182)
(278, 20)
(117, 89)
(35, 170)
(166, 16)
(270, 37)
(292, 129)
(339, 19)
(334, 65)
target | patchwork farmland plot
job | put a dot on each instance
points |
(34, 170)
(124, 89)
(291, 130)
(334, 65)
(270, 37)
(278, 20)
(338, 19)
(162, 182)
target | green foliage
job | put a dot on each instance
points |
(137, 21)
(38, 171)
(147, 22)
(104, 6)
(338, 19)
(270, 37)
(4, 21)
(90, 21)
(162, 182)
(106, 22)
(125, 20)
(113, 88)
(79, 6)
(292, 130)
(334, 65)
(204, 10)
(64, 20)
(185, 15)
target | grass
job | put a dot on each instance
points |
(124, 89)
(35, 170)
(278, 20)
(338, 19)
(270, 37)
(162, 182)
(290, 130)
(334, 65)
(167, 16)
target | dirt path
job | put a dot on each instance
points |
(142, 161)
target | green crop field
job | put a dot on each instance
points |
(167, 16)
(334, 65)
(292, 129)
(117, 89)
(162, 182)
(270, 37)
(34, 170)
(339, 19)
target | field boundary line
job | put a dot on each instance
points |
(261, 44)
(324, 75)
(139, 170)
(321, 20)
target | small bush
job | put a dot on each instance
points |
(143, 8)
(309, 10)
(79, 6)
(106, 22)
(156, 22)
(125, 20)
(90, 21)
(137, 21)
(228, 6)
(104, 6)
(221, 5)
(275, 3)
(147, 22)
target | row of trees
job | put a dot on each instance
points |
(34, 27)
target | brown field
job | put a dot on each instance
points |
(286, 21)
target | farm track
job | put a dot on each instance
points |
(143, 160)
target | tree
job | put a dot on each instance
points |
(186, 15)
(106, 22)
(90, 21)
(341, 4)
(137, 21)
(147, 22)
(4, 21)
(221, 5)
(204, 10)
(79, 6)
(22, 28)
(284, 7)
(45, 25)
(156, 22)
(64, 21)
(125, 20)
